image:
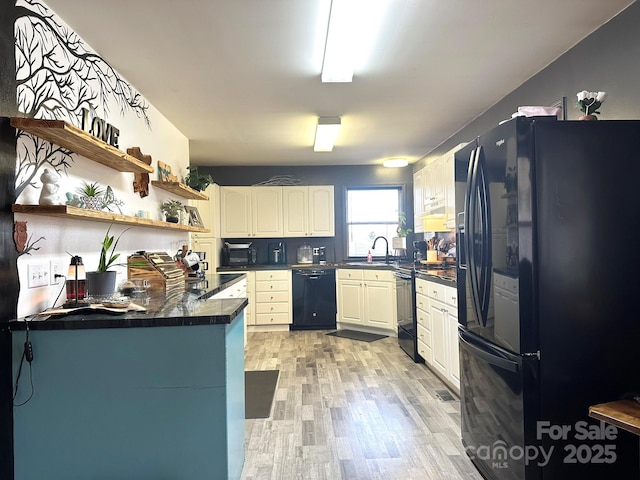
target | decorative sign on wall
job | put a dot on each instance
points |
(164, 172)
(99, 128)
(140, 180)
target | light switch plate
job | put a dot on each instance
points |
(38, 275)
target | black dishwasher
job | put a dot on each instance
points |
(314, 299)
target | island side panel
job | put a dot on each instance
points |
(235, 395)
(127, 403)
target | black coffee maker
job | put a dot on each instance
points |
(277, 253)
(419, 251)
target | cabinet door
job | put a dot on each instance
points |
(209, 211)
(350, 303)
(211, 246)
(267, 211)
(235, 212)
(380, 305)
(418, 200)
(439, 337)
(454, 351)
(448, 180)
(321, 211)
(295, 211)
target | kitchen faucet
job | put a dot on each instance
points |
(386, 251)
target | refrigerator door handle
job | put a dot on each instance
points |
(484, 283)
(489, 357)
(470, 233)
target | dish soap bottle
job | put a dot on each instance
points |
(369, 257)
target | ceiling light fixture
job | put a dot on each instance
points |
(395, 163)
(326, 133)
(352, 27)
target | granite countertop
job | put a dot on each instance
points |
(444, 273)
(191, 306)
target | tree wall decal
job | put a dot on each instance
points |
(58, 75)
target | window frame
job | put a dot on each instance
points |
(401, 188)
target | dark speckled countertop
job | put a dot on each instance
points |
(193, 306)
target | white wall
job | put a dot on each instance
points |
(160, 139)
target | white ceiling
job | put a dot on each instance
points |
(241, 78)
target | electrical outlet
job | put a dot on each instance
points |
(38, 275)
(57, 268)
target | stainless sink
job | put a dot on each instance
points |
(367, 264)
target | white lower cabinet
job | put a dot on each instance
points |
(243, 288)
(437, 316)
(367, 298)
(273, 298)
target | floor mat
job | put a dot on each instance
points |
(259, 388)
(354, 335)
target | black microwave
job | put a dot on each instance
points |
(238, 254)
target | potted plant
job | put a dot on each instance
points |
(102, 281)
(171, 210)
(196, 180)
(92, 195)
(400, 242)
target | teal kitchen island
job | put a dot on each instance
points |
(146, 396)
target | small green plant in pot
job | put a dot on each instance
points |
(197, 181)
(400, 242)
(101, 283)
(171, 210)
(92, 195)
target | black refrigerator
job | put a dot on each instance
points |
(547, 282)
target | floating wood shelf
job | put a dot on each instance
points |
(67, 211)
(78, 141)
(180, 189)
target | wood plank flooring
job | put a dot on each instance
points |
(350, 410)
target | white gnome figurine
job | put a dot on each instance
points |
(49, 193)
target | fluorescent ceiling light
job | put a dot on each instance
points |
(326, 133)
(352, 27)
(395, 163)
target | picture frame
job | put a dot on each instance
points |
(195, 220)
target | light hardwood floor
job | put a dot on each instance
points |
(346, 409)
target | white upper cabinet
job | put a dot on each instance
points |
(235, 212)
(267, 211)
(308, 211)
(418, 202)
(250, 212)
(272, 211)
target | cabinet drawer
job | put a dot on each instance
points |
(349, 274)
(436, 291)
(451, 296)
(425, 352)
(424, 335)
(424, 319)
(262, 275)
(272, 318)
(263, 297)
(422, 302)
(272, 307)
(272, 286)
(422, 286)
(378, 275)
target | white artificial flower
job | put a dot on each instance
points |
(601, 96)
(582, 95)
